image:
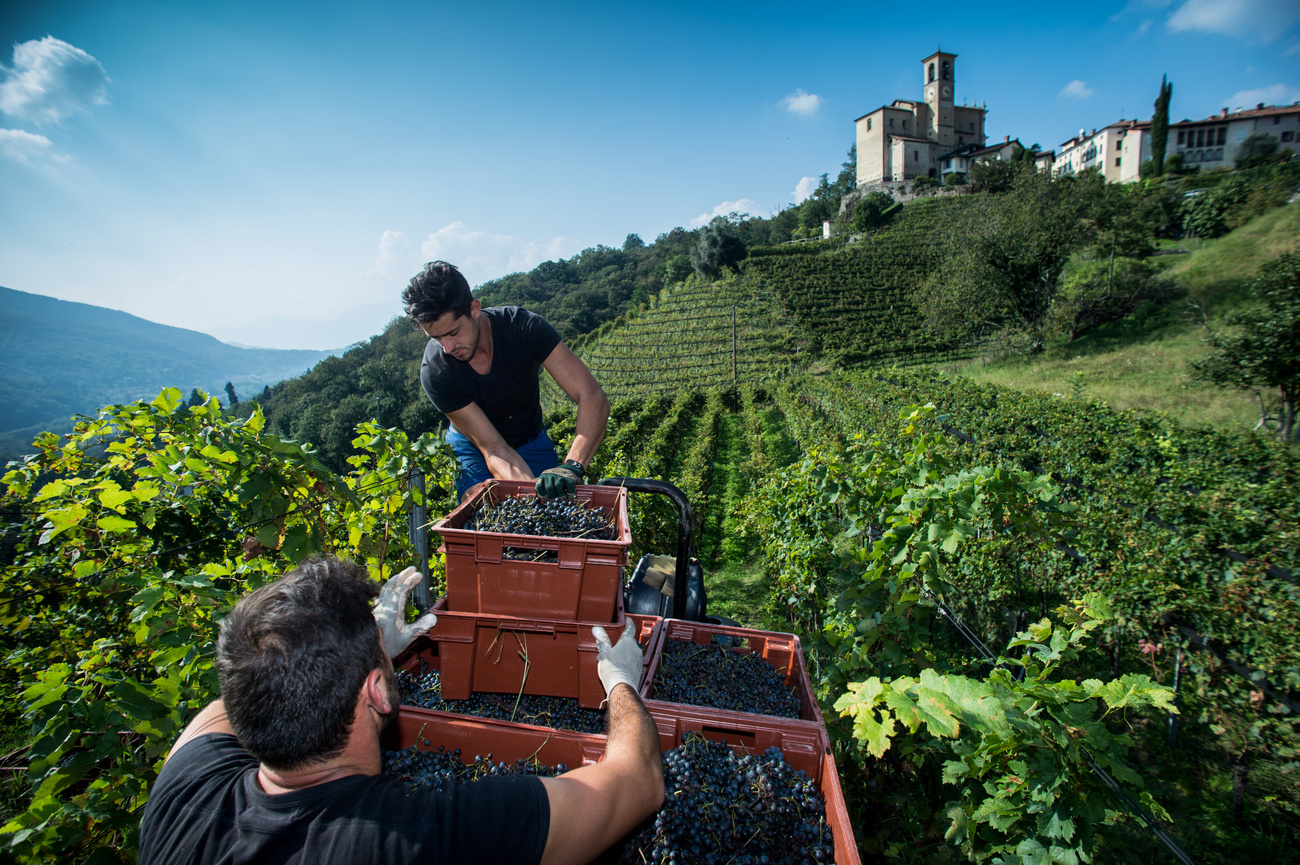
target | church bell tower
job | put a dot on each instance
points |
(940, 73)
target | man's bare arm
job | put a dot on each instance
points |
(503, 461)
(573, 377)
(594, 806)
(210, 719)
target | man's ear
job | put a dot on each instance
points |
(375, 692)
(474, 307)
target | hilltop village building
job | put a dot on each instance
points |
(932, 138)
(1120, 149)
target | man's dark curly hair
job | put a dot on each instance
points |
(436, 290)
(292, 658)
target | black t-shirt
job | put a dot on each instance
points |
(509, 394)
(207, 807)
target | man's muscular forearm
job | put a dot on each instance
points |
(589, 427)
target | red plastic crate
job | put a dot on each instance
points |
(501, 739)
(782, 651)
(487, 653)
(510, 742)
(585, 584)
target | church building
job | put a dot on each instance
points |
(909, 139)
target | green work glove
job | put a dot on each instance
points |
(390, 613)
(619, 663)
(560, 481)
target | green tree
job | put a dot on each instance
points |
(718, 248)
(1160, 127)
(1003, 256)
(230, 394)
(197, 398)
(991, 175)
(1257, 148)
(1263, 354)
(633, 241)
(874, 210)
(1099, 292)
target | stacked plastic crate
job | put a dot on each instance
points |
(519, 626)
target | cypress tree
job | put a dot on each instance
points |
(1160, 127)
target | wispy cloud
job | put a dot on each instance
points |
(395, 256)
(802, 103)
(1077, 89)
(1275, 94)
(806, 187)
(51, 80)
(481, 255)
(27, 148)
(744, 207)
(1142, 28)
(1252, 20)
(1140, 5)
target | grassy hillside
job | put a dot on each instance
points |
(1141, 362)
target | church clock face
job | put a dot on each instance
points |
(947, 92)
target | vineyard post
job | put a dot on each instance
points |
(733, 348)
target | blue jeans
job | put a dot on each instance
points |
(538, 453)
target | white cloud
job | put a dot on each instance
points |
(745, 207)
(1293, 48)
(802, 103)
(1261, 20)
(1275, 94)
(395, 255)
(482, 256)
(27, 148)
(806, 187)
(1077, 89)
(1143, 28)
(50, 80)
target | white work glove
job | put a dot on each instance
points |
(390, 613)
(621, 663)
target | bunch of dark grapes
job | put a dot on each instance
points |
(723, 679)
(533, 515)
(724, 809)
(563, 713)
(441, 768)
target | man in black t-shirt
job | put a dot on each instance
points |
(480, 369)
(285, 768)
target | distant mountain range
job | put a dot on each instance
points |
(59, 358)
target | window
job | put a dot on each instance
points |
(1288, 135)
(904, 125)
(1277, 118)
(961, 140)
(1181, 139)
(931, 71)
(971, 127)
(891, 122)
(868, 124)
(1223, 134)
(1117, 159)
(916, 154)
(1200, 137)
(1118, 144)
(945, 70)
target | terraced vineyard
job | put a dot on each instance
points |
(715, 334)
(854, 301)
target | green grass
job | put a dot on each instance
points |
(738, 591)
(1142, 361)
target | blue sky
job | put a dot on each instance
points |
(273, 173)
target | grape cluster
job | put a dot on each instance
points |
(723, 679)
(533, 515)
(441, 768)
(563, 713)
(724, 809)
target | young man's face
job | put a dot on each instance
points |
(457, 334)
